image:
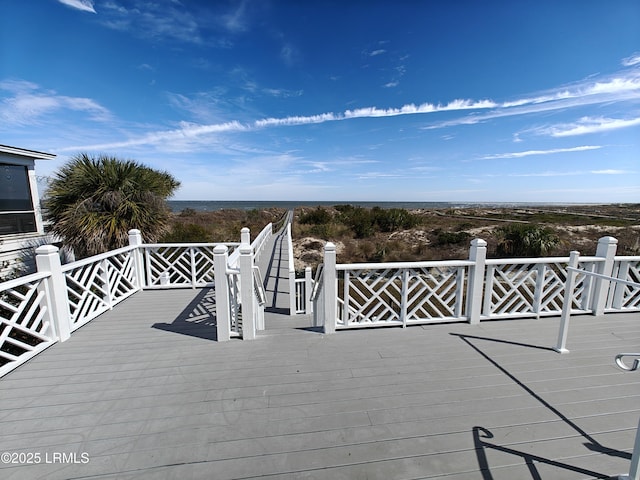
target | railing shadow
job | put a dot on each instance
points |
(592, 444)
(498, 340)
(481, 446)
(198, 319)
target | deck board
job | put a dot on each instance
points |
(388, 403)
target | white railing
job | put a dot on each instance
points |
(317, 296)
(96, 284)
(516, 288)
(39, 310)
(293, 287)
(610, 285)
(625, 297)
(181, 264)
(25, 320)
(260, 242)
(299, 288)
(303, 291)
(401, 294)
(370, 295)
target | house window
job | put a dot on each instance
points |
(17, 214)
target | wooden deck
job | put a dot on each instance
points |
(145, 393)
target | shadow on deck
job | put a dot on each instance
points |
(454, 401)
(198, 319)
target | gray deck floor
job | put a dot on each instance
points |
(451, 401)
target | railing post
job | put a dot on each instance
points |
(48, 260)
(404, 297)
(308, 288)
(245, 236)
(330, 291)
(563, 333)
(135, 240)
(478, 255)
(607, 249)
(221, 282)
(246, 292)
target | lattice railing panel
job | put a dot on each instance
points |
(25, 327)
(121, 275)
(372, 296)
(434, 293)
(178, 265)
(582, 286)
(400, 295)
(551, 294)
(528, 289)
(511, 289)
(95, 287)
(203, 265)
(87, 292)
(626, 297)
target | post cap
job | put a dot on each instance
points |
(220, 249)
(610, 240)
(47, 249)
(478, 242)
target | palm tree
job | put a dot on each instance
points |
(93, 203)
(526, 240)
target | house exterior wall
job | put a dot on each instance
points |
(16, 248)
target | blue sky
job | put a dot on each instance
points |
(408, 100)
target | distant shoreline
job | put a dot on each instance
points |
(212, 205)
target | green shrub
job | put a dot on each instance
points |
(319, 216)
(186, 233)
(525, 240)
(392, 219)
(451, 238)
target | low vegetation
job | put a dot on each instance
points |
(385, 235)
(190, 226)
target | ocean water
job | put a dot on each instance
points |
(206, 205)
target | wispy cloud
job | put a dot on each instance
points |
(375, 53)
(28, 104)
(611, 171)
(83, 5)
(632, 60)
(289, 54)
(619, 87)
(236, 20)
(622, 86)
(297, 120)
(158, 20)
(566, 174)
(540, 152)
(587, 125)
(187, 132)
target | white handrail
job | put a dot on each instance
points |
(561, 346)
(400, 265)
(537, 260)
(96, 258)
(16, 282)
(604, 277)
